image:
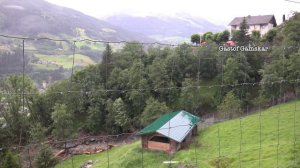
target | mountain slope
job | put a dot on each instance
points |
(207, 151)
(32, 17)
(160, 28)
(47, 60)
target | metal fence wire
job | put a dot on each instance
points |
(106, 146)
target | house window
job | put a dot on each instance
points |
(160, 139)
(263, 26)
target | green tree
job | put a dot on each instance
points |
(280, 68)
(72, 100)
(158, 78)
(118, 80)
(186, 60)
(129, 53)
(236, 71)
(45, 158)
(273, 73)
(15, 115)
(9, 160)
(291, 30)
(224, 36)
(207, 62)
(118, 114)
(255, 36)
(179, 65)
(293, 69)
(41, 110)
(37, 132)
(270, 36)
(242, 36)
(96, 120)
(106, 65)
(190, 96)
(157, 52)
(234, 34)
(208, 36)
(215, 37)
(137, 80)
(62, 122)
(230, 106)
(195, 38)
(153, 110)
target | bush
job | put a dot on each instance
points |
(45, 158)
(231, 105)
(223, 162)
(9, 160)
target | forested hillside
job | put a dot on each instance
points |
(133, 86)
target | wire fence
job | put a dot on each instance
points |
(245, 144)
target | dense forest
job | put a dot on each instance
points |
(137, 84)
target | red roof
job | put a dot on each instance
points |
(230, 43)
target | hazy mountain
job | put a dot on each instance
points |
(36, 17)
(45, 60)
(165, 28)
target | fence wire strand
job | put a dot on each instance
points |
(197, 162)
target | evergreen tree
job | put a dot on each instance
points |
(242, 37)
(106, 65)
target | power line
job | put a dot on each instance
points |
(112, 42)
(162, 88)
(106, 90)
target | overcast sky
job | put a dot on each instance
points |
(217, 11)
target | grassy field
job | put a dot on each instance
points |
(38, 67)
(279, 125)
(66, 60)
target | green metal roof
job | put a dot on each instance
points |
(175, 125)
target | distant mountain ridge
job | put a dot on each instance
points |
(33, 17)
(181, 26)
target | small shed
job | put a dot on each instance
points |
(170, 132)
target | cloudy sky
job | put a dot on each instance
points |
(218, 11)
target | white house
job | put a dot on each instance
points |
(262, 23)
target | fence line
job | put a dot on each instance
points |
(109, 139)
